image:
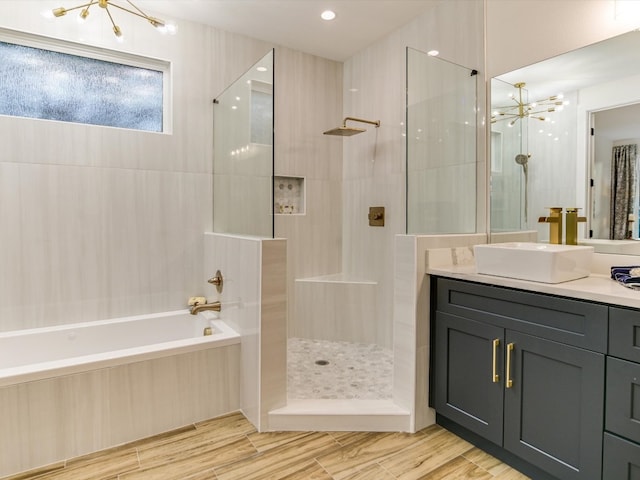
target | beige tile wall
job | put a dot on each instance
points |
(335, 309)
(107, 222)
(374, 162)
(412, 322)
(308, 101)
(253, 301)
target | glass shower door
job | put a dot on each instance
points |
(243, 154)
(441, 145)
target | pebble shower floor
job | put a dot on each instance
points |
(321, 369)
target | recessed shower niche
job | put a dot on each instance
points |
(288, 195)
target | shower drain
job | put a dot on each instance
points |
(322, 362)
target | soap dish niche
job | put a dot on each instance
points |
(288, 195)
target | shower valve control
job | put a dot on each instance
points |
(376, 216)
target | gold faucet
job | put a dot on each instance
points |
(555, 224)
(199, 307)
(571, 233)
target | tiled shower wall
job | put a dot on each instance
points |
(374, 162)
(308, 95)
(253, 301)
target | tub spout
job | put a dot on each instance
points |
(199, 307)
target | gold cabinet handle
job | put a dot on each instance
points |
(509, 382)
(495, 376)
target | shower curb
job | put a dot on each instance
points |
(340, 415)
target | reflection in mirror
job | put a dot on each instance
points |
(509, 184)
(563, 158)
(441, 146)
(614, 199)
(243, 154)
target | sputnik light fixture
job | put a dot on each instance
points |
(105, 4)
(522, 109)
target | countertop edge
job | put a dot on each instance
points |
(595, 288)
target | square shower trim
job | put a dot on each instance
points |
(289, 195)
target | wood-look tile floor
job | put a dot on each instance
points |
(229, 448)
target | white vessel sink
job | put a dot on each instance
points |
(536, 262)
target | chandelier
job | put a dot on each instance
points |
(105, 4)
(522, 109)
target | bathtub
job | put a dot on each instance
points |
(40, 353)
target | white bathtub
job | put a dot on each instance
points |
(36, 354)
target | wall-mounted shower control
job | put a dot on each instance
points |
(217, 281)
(376, 216)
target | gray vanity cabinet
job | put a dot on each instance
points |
(464, 386)
(553, 409)
(622, 437)
(524, 371)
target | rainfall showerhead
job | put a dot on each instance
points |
(344, 131)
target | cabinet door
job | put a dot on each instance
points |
(623, 398)
(621, 459)
(554, 409)
(624, 334)
(465, 388)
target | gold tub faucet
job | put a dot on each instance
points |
(555, 224)
(200, 307)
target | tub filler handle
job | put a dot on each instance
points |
(217, 280)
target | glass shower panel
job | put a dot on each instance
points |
(508, 177)
(441, 145)
(243, 154)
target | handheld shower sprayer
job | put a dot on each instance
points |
(522, 159)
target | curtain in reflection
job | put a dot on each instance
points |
(623, 179)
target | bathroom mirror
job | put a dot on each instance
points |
(243, 154)
(537, 164)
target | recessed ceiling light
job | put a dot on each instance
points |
(433, 53)
(261, 69)
(328, 15)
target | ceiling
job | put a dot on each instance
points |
(594, 64)
(296, 23)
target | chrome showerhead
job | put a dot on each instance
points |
(344, 131)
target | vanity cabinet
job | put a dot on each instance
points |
(524, 371)
(621, 458)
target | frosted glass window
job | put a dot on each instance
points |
(38, 83)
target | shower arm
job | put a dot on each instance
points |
(361, 120)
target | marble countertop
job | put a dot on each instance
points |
(595, 287)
